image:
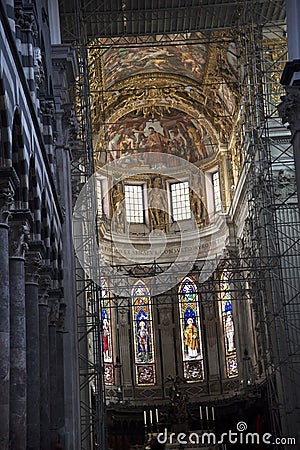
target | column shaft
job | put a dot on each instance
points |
(33, 366)
(44, 377)
(53, 382)
(17, 354)
(4, 338)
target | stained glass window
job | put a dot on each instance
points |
(143, 335)
(190, 327)
(106, 334)
(228, 327)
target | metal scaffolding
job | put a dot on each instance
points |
(267, 271)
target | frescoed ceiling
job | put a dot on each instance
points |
(170, 85)
(171, 132)
(185, 60)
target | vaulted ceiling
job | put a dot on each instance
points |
(173, 63)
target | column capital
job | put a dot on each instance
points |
(8, 184)
(19, 232)
(61, 318)
(26, 20)
(54, 297)
(44, 285)
(289, 108)
(33, 264)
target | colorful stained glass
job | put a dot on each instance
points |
(106, 334)
(190, 331)
(143, 335)
(228, 327)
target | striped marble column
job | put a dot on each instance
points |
(44, 285)
(18, 235)
(54, 306)
(33, 267)
(8, 183)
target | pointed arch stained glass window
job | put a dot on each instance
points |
(228, 327)
(106, 334)
(190, 327)
(143, 335)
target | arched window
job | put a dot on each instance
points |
(143, 335)
(228, 327)
(190, 327)
(107, 345)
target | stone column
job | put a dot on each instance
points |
(44, 286)
(60, 333)
(18, 235)
(53, 303)
(8, 182)
(33, 265)
(293, 22)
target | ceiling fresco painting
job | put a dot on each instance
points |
(185, 60)
(179, 99)
(174, 133)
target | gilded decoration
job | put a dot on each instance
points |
(198, 79)
(183, 59)
(173, 132)
(274, 55)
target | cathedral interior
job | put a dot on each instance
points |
(149, 232)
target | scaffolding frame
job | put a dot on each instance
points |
(272, 267)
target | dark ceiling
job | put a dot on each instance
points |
(118, 18)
